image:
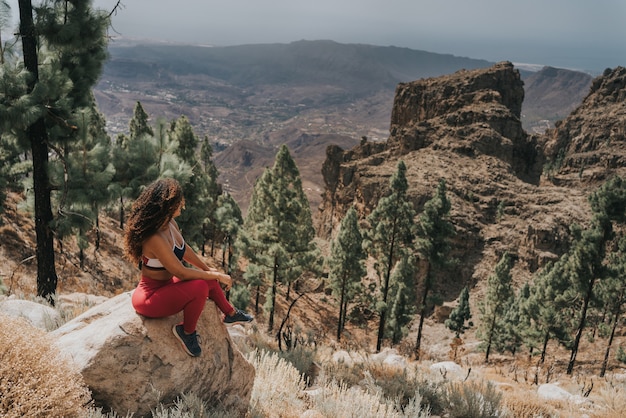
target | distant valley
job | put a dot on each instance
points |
(249, 99)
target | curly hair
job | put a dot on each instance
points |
(154, 207)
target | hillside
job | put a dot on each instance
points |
(465, 128)
(257, 97)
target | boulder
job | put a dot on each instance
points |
(41, 316)
(132, 363)
(448, 369)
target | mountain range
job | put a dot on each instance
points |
(250, 99)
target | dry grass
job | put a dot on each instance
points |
(529, 405)
(277, 387)
(34, 380)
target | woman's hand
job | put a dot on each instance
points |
(226, 280)
(223, 278)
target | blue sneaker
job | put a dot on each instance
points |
(238, 318)
(188, 341)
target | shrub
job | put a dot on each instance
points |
(277, 386)
(404, 385)
(337, 400)
(527, 405)
(35, 381)
(401, 385)
(610, 400)
(188, 406)
(302, 358)
(621, 355)
(473, 400)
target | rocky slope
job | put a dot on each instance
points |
(465, 128)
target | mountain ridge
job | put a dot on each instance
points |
(323, 99)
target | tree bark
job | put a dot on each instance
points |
(616, 318)
(581, 327)
(418, 341)
(341, 308)
(383, 314)
(270, 322)
(46, 271)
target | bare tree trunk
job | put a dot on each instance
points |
(46, 271)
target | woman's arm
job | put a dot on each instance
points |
(158, 247)
(194, 259)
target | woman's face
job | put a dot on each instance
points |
(179, 209)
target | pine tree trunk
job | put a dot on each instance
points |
(98, 237)
(418, 341)
(121, 211)
(383, 314)
(491, 331)
(581, 327)
(341, 309)
(616, 318)
(545, 347)
(270, 322)
(46, 271)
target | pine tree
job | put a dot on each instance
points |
(460, 315)
(346, 265)
(402, 298)
(85, 173)
(278, 236)
(73, 42)
(583, 269)
(434, 232)
(210, 227)
(612, 294)
(197, 185)
(511, 336)
(585, 266)
(547, 306)
(138, 124)
(229, 221)
(136, 164)
(497, 301)
(390, 239)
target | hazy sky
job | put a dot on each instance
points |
(580, 34)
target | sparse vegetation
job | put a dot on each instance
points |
(35, 381)
(473, 400)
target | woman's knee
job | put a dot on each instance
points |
(200, 288)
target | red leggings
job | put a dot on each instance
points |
(160, 298)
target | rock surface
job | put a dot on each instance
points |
(131, 363)
(41, 316)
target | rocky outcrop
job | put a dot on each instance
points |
(589, 145)
(131, 363)
(469, 113)
(465, 129)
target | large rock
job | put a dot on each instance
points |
(132, 363)
(40, 316)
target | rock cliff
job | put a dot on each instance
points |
(510, 191)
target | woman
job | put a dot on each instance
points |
(167, 286)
